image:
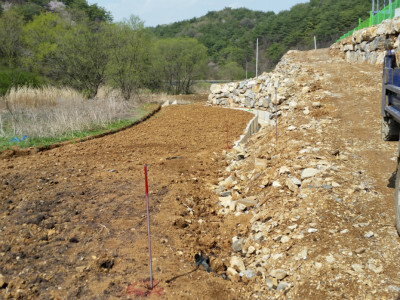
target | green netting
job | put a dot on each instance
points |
(386, 13)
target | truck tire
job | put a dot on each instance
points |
(397, 200)
(389, 129)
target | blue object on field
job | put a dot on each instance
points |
(15, 139)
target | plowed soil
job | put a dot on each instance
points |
(73, 219)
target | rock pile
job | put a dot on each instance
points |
(369, 44)
(264, 92)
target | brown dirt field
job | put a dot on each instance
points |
(73, 219)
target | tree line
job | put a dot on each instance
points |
(72, 43)
(230, 35)
(69, 46)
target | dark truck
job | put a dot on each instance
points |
(390, 110)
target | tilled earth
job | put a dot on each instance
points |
(73, 219)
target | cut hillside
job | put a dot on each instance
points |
(322, 218)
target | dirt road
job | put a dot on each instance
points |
(73, 223)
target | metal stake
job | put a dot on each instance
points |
(148, 226)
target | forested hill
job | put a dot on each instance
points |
(77, 8)
(230, 35)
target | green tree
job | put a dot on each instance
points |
(180, 61)
(10, 40)
(40, 40)
(82, 56)
(231, 71)
(129, 58)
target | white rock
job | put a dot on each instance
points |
(284, 170)
(278, 274)
(240, 207)
(228, 182)
(285, 239)
(316, 104)
(248, 274)
(330, 259)
(302, 255)
(291, 128)
(237, 264)
(277, 256)
(357, 267)
(276, 184)
(225, 201)
(216, 88)
(369, 234)
(231, 272)
(312, 230)
(251, 250)
(308, 173)
(375, 269)
(335, 184)
(295, 181)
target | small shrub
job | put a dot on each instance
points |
(20, 78)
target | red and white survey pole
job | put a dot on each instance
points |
(148, 225)
(227, 140)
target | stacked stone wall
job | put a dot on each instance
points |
(368, 45)
(264, 92)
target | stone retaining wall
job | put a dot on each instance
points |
(271, 94)
(369, 44)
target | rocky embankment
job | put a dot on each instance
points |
(313, 231)
(369, 44)
(275, 92)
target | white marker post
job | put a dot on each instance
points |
(257, 59)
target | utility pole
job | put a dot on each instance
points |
(373, 7)
(257, 59)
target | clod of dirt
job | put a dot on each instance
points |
(36, 220)
(50, 225)
(73, 240)
(175, 157)
(107, 264)
(3, 283)
(180, 223)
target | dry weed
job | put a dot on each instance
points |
(51, 112)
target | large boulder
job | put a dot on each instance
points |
(396, 25)
(371, 58)
(216, 88)
(385, 27)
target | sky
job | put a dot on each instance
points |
(158, 12)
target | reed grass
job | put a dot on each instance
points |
(51, 112)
